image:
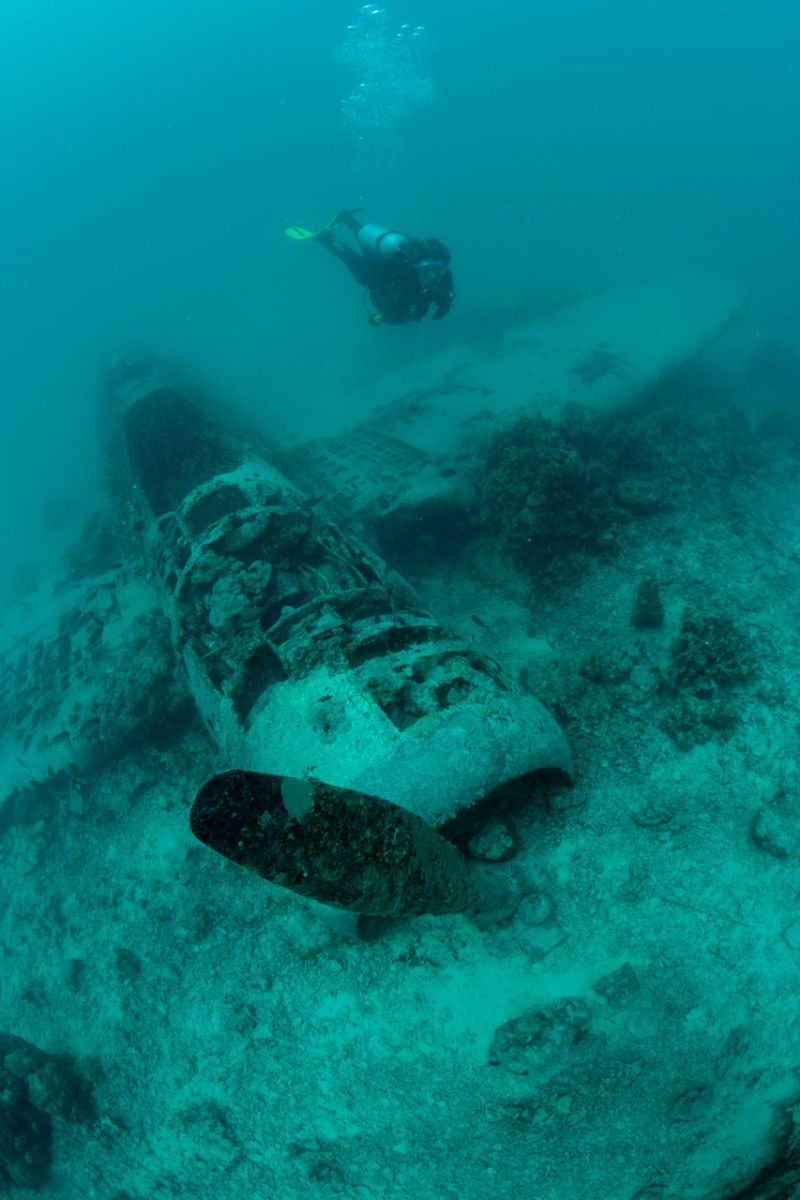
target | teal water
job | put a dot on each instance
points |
(621, 1020)
(152, 154)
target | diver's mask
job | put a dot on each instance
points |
(430, 272)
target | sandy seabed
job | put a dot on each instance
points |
(237, 1047)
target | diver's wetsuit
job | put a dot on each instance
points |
(396, 286)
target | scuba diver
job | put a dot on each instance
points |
(404, 277)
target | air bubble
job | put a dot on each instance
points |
(389, 80)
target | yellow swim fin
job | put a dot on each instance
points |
(298, 234)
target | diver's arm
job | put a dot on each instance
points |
(418, 307)
(443, 300)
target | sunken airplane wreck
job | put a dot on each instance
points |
(356, 726)
(355, 735)
(356, 739)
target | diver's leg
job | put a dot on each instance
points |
(355, 262)
(347, 216)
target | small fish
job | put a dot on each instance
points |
(64, 736)
(478, 621)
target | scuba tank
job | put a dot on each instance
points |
(385, 243)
